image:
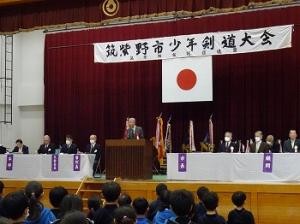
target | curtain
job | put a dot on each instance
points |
(49, 13)
(253, 91)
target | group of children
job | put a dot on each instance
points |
(170, 207)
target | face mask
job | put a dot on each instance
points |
(92, 141)
(227, 139)
(68, 142)
(257, 139)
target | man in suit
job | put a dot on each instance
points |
(228, 145)
(69, 147)
(292, 144)
(94, 148)
(47, 147)
(258, 146)
(20, 147)
(274, 145)
(134, 131)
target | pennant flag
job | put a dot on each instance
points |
(168, 137)
(191, 137)
(159, 139)
(126, 129)
(247, 147)
(187, 79)
(211, 131)
(280, 145)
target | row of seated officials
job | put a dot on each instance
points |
(176, 207)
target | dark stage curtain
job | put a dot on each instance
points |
(250, 91)
(54, 12)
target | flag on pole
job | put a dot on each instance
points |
(280, 146)
(211, 131)
(168, 137)
(247, 147)
(126, 128)
(191, 137)
(159, 139)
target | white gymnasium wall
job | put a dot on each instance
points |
(28, 91)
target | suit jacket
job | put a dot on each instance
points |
(137, 132)
(275, 147)
(94, 150)
(73, 149)
(223, 148)
(2, 150)
(25, 149)
(47, 150)
(287, 146)
(263, 148)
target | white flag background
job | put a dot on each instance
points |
(187, 79)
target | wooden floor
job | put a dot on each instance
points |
(270, 203)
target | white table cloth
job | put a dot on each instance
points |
(233, 167)
(39, 167)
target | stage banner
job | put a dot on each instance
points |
(182, 162)
(203, 44)
(76, 163)
(54, 163)
(268, 163)
(9, 162)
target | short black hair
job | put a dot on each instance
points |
(56, 195)
(125, 215)
(71, 203)
(111, 191)
(160, 187)
(201, 192)
(211, 201)
(19, 141)
(140, 205)
(164, 200)
(14, 204)
(94, 203)
(124, 200)
(69, 137)
(238, 198)
(182, 202)
(75, 217)
(1, 187)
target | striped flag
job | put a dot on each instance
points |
(168, 137)
(159, 139)
(191, 137)
(126, 129)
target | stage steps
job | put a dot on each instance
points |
(89, 187)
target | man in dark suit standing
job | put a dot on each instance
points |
(94, 148)
(292, 144)
(258, 146)
(47, 147)
(20, 147)
(227, 145)
(134, 132)
(69, 147)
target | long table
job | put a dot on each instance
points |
(41, 167)
(234, 167)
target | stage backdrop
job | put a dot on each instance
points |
(250, 91)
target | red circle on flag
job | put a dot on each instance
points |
(186, 79)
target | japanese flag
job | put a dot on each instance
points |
(187, 79)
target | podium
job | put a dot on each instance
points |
(128, 159)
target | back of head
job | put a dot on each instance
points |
(201, 192)
(238, 198)
(1, 187)
(94, 203)
(71, 203)
(124, 200)
(164, 200)
(56, 195)
(75, 217)
(34, 191)
(211, 201)
(182, 202)
(14, 205)
(124, 215)
(111, 191)
(160, 188)
(140, 206)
